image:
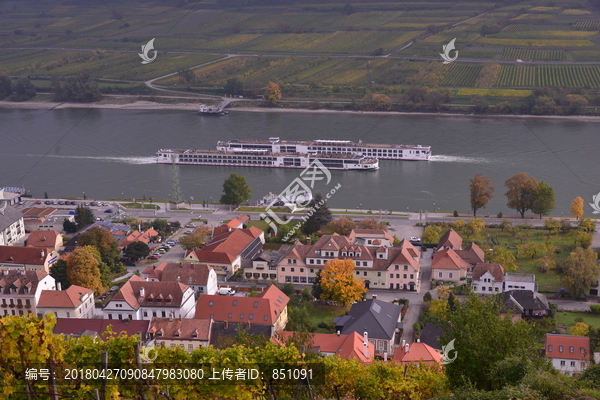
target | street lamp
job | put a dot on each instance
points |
(434, 209)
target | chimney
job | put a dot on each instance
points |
(385, 356)
(142, 292)
(248, 324)
(43, 254)
(6, 272)
(366, 336)
(171, 316)
(406, 348)
(338, 333)
(308, 241)
(374, 297)
(58, 286)
(366, 349)
(180, 265)
(225, 325)
(403, 342)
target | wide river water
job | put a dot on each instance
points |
(110, 154)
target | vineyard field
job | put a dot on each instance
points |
(462, 75)
(586, 55)
(545, 35)
(494, 92)
(517, 28)
(529, 17)
(533, 54)
(549, 76)
(537, 42)
(587, 25)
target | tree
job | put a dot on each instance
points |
(481, 192)
(272, 93)
(78, 88)
(69, 226)
(316, 289)
(544, 201)
(432, 234)
(83, 216)
(318, 215)
(58, 271)
(476, 328)
(479, 103)
(186, 77)
(339, 284)
(499, 255)
(381, 102)
(580, 329)
(576, 104)
(234, 87)
(522, 192)
(104, 242)
(235, 190)
(581, 271)
(544, 105)
(371, 223)
(83, 269)
(196, 239)
(439, 310)
(5, 85)
(577, 207)
(23, 90)
(298, 319)
(473, 227)
(342, 226)
(288, 289)
(137, 250)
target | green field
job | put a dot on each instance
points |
(568, 318)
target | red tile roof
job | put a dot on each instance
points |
(187, 273)
(74, 326)
(238, 222)
(38, 212)
(29, 279)
(70, 298)
(180, 328)
(345, 346)
(24, 255)
(226, 247)
(495, 269)
(472, 254)
(42, 238)
(130, 293)
(580, 346)
(138, 236)
(448, 259)
(450, 239)
(417, 353)
(263, 310)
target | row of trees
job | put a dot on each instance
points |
(21, 90)
(79, 88)
(524, 193)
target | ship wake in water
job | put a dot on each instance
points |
(460, 159)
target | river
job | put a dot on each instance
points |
(108, 153)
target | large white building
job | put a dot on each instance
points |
(139, 299)
(75, 302)
(20, 291)
(200, 277)
(12, 228)
(517, 281)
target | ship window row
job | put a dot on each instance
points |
(204, 157)
(226, 161)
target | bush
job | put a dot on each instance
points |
(595, 308)
(499, 215)
(417, 327)
(322, 325)
(455, 213)
(427, 297)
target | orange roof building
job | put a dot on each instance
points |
(448, 266)
(450, 240)
(137, 236)
(45, 239)
(27, 258)
(200, 277)
(75, 302)
(20, 291)
(187, 333)
(351, 345)
(488, 278)
(419, 353)
(569, 354)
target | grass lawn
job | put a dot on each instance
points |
(147, 206)
(568, 318)
(323, 313)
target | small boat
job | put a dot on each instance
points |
(205, 110)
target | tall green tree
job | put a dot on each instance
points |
(84, 216)
(78, 88)
(103, 241)
(481, 192)
(522, 192)
(235, 190)
(544, 201)
(23, 90)
(319, 215)
(58, 271)
(581, 271)
(69, 226)
(137, 250)
(482, 339)
(234, 86)
(5, 85)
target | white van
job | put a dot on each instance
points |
(226, 291)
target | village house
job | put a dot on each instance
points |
(378, 321)
(97, 327)
(525, 304)
(371, 237)
(27, 258)
(488, 278)
(137, 236)
(450, 240)
(264, 265)
(20, 291)
(200, 277)
(138, 299)
(45, 239)
(518, 281)
(270, 308)
(225, 252)
(12, 227)
(187, 333)
(351, 345)
(43, 219)
(569, 354)
(447, 266)
(417, 353)
(74, 302)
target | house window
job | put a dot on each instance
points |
(230, 315)
(397, 276)
(164, 314)
(582, 350)
(450, 275)
(440, 274)
(288, 278)
(295, 279)
(235, 302)
(272, 268)
(211, 303)
(69, 316)
(406, 267)
(404, 276)
(241, 316)
(357, 272)
(293, 269)
(120, 316)
(302, 279)
(312, 270)
(154, 313)
(301, 269)
(358, 263)
(396, 267)
(251, 317)
(266, 317)
(412, 276)
(282, 269)
(380, 345)
(562, 363)
(571, 349)
(256, 304)
(379, 274)
(364, 263)
(560, 349)
(311, 261)
(572, 363)
(190, 347)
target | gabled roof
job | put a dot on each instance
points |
(263, 310)
(226, 247)
(370, 233)
(378, 318)
(78, 326)
(24, 255)
(130, 293)
(70, 298)
(38, 212)
(448, 259)
(137, 236)
(344, 346)
(406, 255)
(238, 222)
(412, 250)
(520, 300)
(472, 254)
(450, 239)
(495, 270)
(42, 238)
(573, 347)
(185, 272)
(417, 353)
(20, 280)
(180, 328)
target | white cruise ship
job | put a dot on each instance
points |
(380, 151)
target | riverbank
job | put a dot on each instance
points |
(130, 104)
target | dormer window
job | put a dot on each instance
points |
(177, 333)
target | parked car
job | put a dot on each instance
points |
(72, 212)
(153, 257)
(415, 240)
(54, 202)
(188, 231)
(61, 203)
(22, 202)
(47, 202)
(73, 203)
(108, 211)
(38, 202)
(94, 204)
(162, 251)
(27, 230)
(190, 226)
(226, 291)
